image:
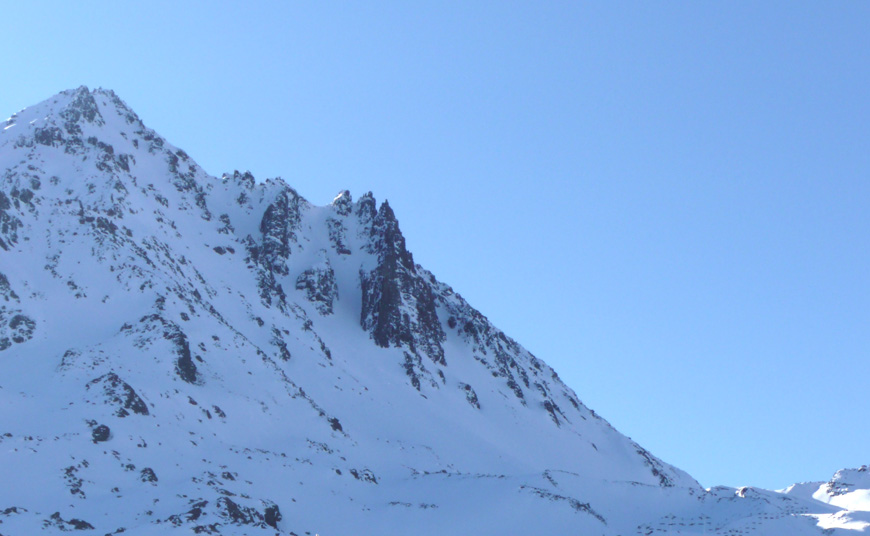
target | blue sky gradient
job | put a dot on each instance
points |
(666, 201)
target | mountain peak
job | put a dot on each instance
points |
(182, 352)
(343, 202)
(71, 116)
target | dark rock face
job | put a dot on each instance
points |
(333, 422)
(147, 475)
(398, 305)
(195, 512)
(365, 475)
(49, 136)
(280, 344)
(229, 512)
(15, 327)
(184, 365)
(319, 286)
(268, 256)
(554, 411)
(338, 236)
(73, 482)
(83, 107)
(470, 395)
(100, 433)
(185, 368)
(22, 328)
(73, 524)
(239, 515)
(12, 510)
(366, 208)
(245, 179)
(272, 515)
(278, 227)
(343, 203)
(119, 393)
(6, 292)
(9, 223)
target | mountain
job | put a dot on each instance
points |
(180, 352)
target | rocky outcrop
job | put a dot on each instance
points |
(278, 227)
(318, 284)
(269, 255)
(55, 520)
(398, 305)
(470, 395)
(118, 393)
(15, 327)
(101, 433)
(6, 292)
(82, 107)
(185, 368)
(848, 480)
(208, 517)
(9, 223)
(343, 203)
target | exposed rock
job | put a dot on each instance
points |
(333, 422)
(338, 236)
(83, 107)
(398, 306)
(73, 481)
(118, 392)
(100, 433)
(365, 475)
(195, 512)
(280, 344)
(239, 515)
(272, 515)
(470, 395)
(366, 210)
(6, 292)
(319, 286)
(343, 203)
(655, 466)
(73, 524)
(12, 510)
(572, 502)
(15, 327)
(278, 228)
(147, 475)
(9, 223)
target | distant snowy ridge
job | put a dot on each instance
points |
(218, 355)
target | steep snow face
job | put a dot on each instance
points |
(848, 491)
(219, 355)
(849, 488)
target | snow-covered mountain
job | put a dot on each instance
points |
(180, 352)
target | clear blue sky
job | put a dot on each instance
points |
(669, 202)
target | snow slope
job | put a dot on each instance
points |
(180, 352)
